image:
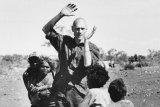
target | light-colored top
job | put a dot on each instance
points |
(44, 85)
(96, 96)
(122, 103)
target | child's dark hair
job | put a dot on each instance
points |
(97, 76)
(117, 90)
(33, 59)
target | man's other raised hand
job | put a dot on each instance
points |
(68, 10)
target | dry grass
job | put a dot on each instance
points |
(143, 85)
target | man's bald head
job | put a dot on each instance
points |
(79, 29)
(80, 21)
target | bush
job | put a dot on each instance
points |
(142, 64)
(11, 61)
(129, 67)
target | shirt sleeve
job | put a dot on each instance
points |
(130, 104)
(127, 103)
(86, 101)
(55, 39)
(94, 53)
(26, 80)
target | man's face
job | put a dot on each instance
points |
(79, 29)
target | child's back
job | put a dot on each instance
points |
(117, 90)
(122, 103)
(98, 96)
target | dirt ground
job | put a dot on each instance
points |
(143, 87)
(12, 90)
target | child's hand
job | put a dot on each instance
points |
(45, 93)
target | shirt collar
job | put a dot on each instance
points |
(81, 44)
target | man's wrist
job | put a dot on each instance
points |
(61, 14)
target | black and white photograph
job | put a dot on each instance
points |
(79, 53)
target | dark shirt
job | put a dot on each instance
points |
(28, 75)
(31, 79)
(71, 56)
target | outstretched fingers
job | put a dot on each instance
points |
(72, 7)
(93, 31)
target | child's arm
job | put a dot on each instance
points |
(46, 83)
(86, 101)
(41, 88)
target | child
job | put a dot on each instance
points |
(38, 80)
(117, 90)
(97, 96)
(41, 85)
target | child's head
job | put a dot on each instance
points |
(97, 76)
(117, 90)
(44, 67)
(33, 61)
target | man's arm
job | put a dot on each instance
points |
(49, 26)
(26, 80)
(88, 55)
(86, 101)
(66, 11)
(95, 54)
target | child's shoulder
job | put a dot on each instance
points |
(126, 103)
(99, 90)
(47, 80)
(49, 77)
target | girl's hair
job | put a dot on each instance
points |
(97, 76)
(117, 90)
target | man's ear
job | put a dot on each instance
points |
(73, 28)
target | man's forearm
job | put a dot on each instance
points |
(87, 54)
(47, 28)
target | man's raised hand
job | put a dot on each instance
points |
(68, 10)
(92, 33)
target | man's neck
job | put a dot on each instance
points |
(78, 41)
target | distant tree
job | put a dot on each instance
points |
(129, 67)
(121, 56)
(154, 57)
(111, 54)
(140, 58)
(103, 55)
(135, 57)
(12, 61)
(131, 59)
(8, 58)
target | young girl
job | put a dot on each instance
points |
(117, 90)
(98, 95)
(39, 85)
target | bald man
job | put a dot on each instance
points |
(75, 55)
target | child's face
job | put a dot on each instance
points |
(45, 68)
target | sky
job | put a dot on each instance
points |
(132, 26)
